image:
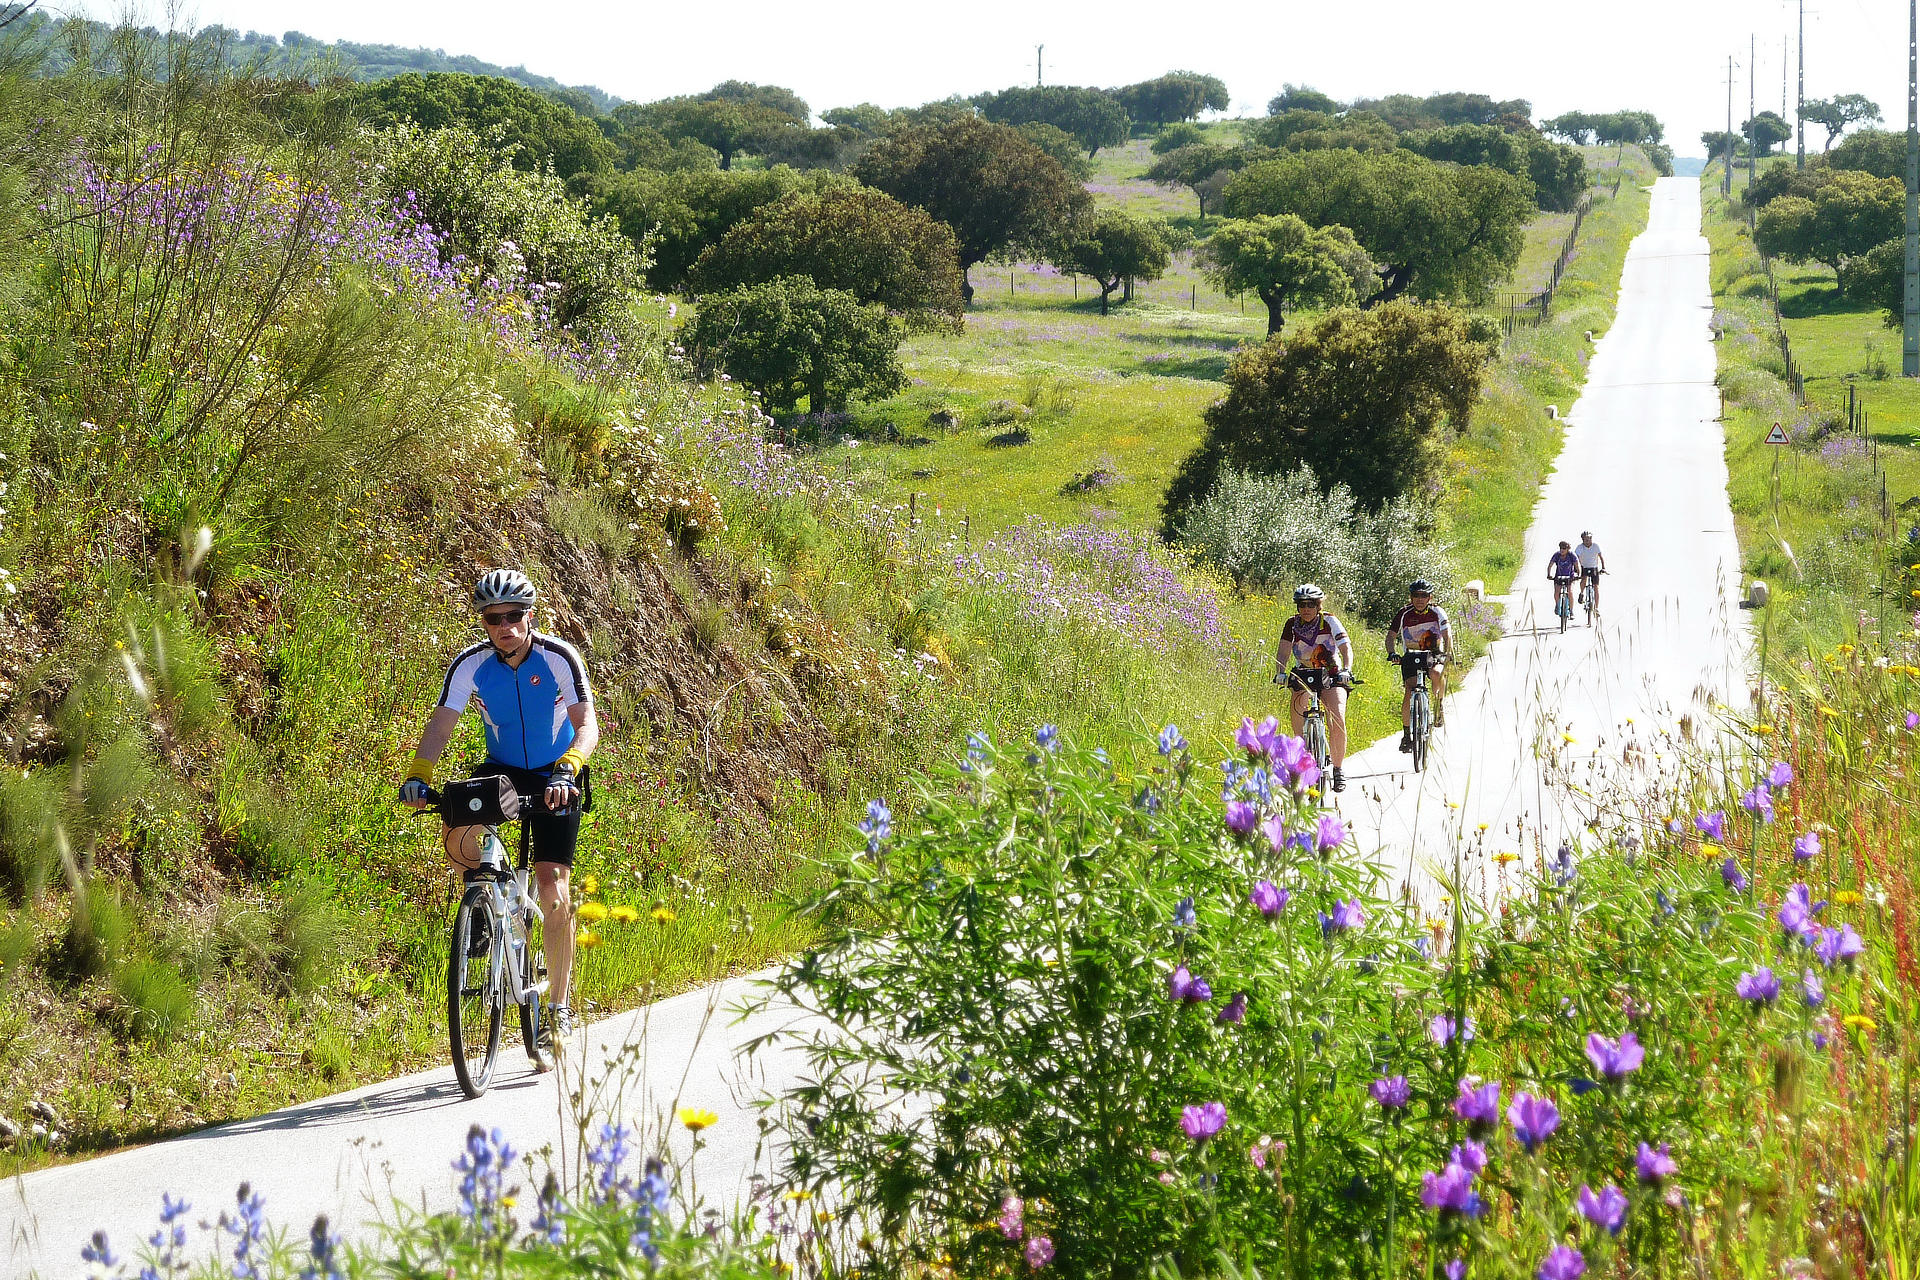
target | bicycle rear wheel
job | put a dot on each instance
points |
(475, 1003)
(1421, 723)
(1316, 736)
(530, 1007)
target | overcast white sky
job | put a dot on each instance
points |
(1666, 56)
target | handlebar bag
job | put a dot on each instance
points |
(478, 802)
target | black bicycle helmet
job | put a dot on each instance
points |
(1420, 587)
(1308, 593)
(503, 586)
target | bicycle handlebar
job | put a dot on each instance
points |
(534, 804)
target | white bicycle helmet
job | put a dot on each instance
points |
(503, 586)
(1307, 592)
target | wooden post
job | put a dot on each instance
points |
(966, 530)
(913, 510)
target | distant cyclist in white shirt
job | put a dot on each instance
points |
(1593, 563)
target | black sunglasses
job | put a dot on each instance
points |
(505, 618)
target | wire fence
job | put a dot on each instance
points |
(1528, 311)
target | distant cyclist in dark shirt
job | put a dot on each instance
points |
(1563, 568)
(532, 695)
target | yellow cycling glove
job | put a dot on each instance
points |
(420, 771)
(570, 761)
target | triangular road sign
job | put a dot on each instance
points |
(1777, 436)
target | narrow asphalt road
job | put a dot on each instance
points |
(1642, 467)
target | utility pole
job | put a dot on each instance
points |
(1726, 174)
(1910, 338)
(1800, 110)
(1753, 130)
(1038, 77)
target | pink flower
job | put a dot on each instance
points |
(1013, 1223)
(1204, 1120)
(1039, 1252)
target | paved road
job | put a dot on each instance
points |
(1642, 467)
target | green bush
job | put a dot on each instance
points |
(30, 806)
(158, 1000)
(1274, 532)
(18, 939)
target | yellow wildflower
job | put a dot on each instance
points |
(1763, 728)
(799, 1193)
(592, 912)
(587, 938)
(1861, 1022)
(664, 915)
(590, 885)
(625, 914)
(1481, 827)
(1709, 850)
(1847, 898)
(697, 1118)
(1505, 856)
(1567, 738)
(1827, 711)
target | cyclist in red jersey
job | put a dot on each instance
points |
(1421, 626)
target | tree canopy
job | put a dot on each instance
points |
(1880, 152)
(1299, 97)
(1766, 129)
(1835, 114)
(732, 118)
(1182, 133)
(1059, 144)
(1094, 117)
(1114, 247)
(1557, 173)
(1405, 112)
(686, 211)
(993, 187)
(1369, 399)
(1195, 167)
(1288, 264)
(1177, 95)
(850, 238)
(1847, 217)
(536, 130)
(788, 338)
(1437, 231)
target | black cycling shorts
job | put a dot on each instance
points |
(1410, 674)
(555, 836)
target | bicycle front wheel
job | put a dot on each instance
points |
(1421, 719)
(535, 970)
(475, 1001)
(1316, 735)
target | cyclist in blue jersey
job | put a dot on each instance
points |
(532, 695)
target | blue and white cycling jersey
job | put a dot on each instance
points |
(524, 708)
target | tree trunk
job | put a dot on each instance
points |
(1393, 282)
(966, 286)
(1274, 318)
(1106, 289)
(816, 394)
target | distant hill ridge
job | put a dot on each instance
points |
(295, 52)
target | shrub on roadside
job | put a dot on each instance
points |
(157, 999)
(1273, 532)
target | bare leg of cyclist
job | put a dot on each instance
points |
(1298, 710)
(556, 906)
(1437, 681)
(462, 845)
(1335, 700)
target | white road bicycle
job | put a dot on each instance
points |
(1563, 600)
(495, 958)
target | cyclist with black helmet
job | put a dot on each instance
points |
(1420, 627)
(1323, 658)
(532, 695)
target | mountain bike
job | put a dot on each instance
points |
(495, 958)
(1563, 600)
(1590, 592)
(1313, 721)
(1417, 663)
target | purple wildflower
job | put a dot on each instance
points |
(1730, 872)
(1182, 985)
(1812, 990)
(1204, 1120)
(1235, 1010)
(1479, 1107)
(1712, 825)
(1241, 818)
(1796, 913)
(1039, 1252)
(1563, 1263)
(1451, 1191)
(1655, 1165)
(1291, 754)
(1456, 1269)
(1171, 741)
(1607, 1208)
(1806, 847)
(1013, 1222)
(1347, 914)
(1759, 986)
(1441, 1026)
(1469, 1155)
(1913, 720)
(1615, 1060)
(1780, 775)
(1391, 1092)
(1533, 1118)
(1268, 898)
(1257, 740)
(1758, 801)
(1183, 914)
(1839, 944)
(1332, 833)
